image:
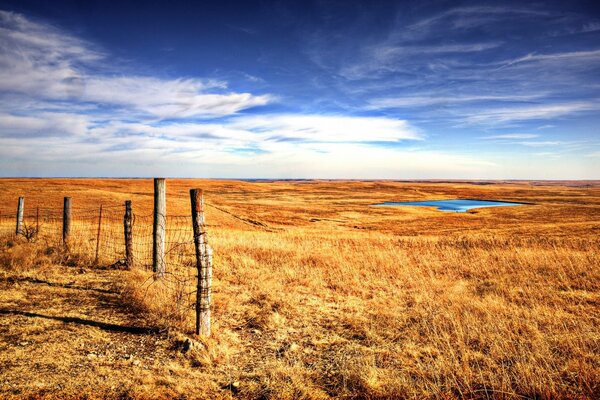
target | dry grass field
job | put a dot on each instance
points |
(317, 295)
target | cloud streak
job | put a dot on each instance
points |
(529, 112)
(425, 101)
(428, 96)
(319, 128)
(180, 98)
(512, 136)
(571, 56)
(42, 125)
(462, 66)
(56, 104)
(39, 61)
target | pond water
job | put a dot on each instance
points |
(458, 205)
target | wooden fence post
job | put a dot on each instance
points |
(159, 228)
(37, 221)
(128, 231)
(20, 207)
(203, 264)
(66, 221)
(98, 235)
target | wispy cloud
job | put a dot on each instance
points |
(444, 34)
(540, 143)
(390, 53)
(319, 128)
(461, 18)
(383, 59)
(547, 154)
(512, 136)
(58, 101)
(572, 56)
(372, 100)
(259, 132)
(462, 66)
(45, 124)
(576, 27)
(39, 61)
(593, 26)
(244, 146)
(425, 101)
(181, 98)
(529, 112)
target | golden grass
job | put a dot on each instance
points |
(318, 295)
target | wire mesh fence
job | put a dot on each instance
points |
(98, 234)
(94, 231)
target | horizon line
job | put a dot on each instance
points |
(316, 179)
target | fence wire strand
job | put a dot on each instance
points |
(92, 233)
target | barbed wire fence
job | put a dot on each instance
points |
(174, 247)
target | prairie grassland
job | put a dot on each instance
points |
(317, 295)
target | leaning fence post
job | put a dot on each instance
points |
(203, 264)
(66, 221)
(98, 235)
(159, 227)
(128, 231)
(20, 206)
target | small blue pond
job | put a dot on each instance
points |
(457, 205)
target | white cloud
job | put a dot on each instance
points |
(540, 143)
(571, 56)
(51, 72)
(53, 89)
(43, 124)
(529, 112)
(409, 48)
(181, 98)
(160, 155)
(256, 131)
(39, 61)
(593, 26)
(571, 29)
(322, 128)
(390, 57)
(512, 136)
(433, 99)
(469, 17)
(547, 154)
(347, 160)
(388, 53)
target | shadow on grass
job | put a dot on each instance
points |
(55, 284)
(102, 325)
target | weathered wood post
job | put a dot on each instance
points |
(98, 235)
(37, 221)
(20, 207)
(128, 231)
(203, 264)
(66, 221)
(159, 228)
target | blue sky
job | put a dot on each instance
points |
(307, 89)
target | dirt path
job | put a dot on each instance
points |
(66, 334)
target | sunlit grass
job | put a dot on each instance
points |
(327, 297)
